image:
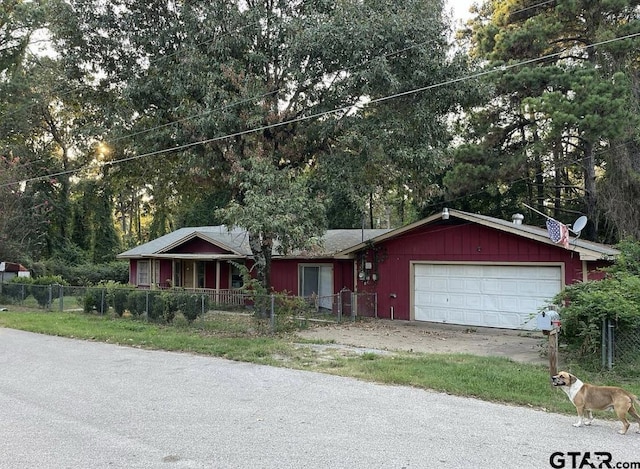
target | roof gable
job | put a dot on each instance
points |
(219, 242)
(587, 250)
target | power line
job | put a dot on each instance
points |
(261, 96)
(244, 101)
(248, 100)
(343, 109)
(194, 46)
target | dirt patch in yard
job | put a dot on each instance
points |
(380, 334)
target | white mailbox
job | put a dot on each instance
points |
(548, 320)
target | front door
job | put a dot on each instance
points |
(188, 274)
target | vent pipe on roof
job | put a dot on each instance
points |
(517, 218)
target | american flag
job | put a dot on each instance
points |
(558, 232)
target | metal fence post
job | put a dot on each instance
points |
(146, 308)
(339, 307)
(272, 316)
(610, 347)
(50, 302)
(354, 306)
(61, 295)
(375, 305)
(603, 344)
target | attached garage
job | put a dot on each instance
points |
(489, 295)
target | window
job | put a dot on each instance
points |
(201, 272)
(316, 279)
(236, 277)
(156, 272)
(177, 274)
(143, 273)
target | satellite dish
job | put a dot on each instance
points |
(579, 225)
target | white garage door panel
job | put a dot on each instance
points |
(483, 295)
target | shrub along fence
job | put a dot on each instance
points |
(281, 311)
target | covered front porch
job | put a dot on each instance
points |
(189, 272)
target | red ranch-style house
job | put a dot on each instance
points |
(455, 267)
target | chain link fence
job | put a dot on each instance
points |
(621, 348)
(282, 312)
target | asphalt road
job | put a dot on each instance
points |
(76, 404)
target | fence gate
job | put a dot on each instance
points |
(346, 303)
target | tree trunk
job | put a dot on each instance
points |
(590, 194)
(261, 247)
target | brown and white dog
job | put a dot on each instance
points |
(587, 397)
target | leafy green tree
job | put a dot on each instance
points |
(23, 214)
(106, 242)
(261, 98)
(18, 21)
(276, 207)
(556, 108)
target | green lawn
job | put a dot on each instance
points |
(242, 338)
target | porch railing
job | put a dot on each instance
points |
(222, 296)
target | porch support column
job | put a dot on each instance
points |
(217, 281)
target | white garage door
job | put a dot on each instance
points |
(502, 296)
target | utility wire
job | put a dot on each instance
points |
(261, 96)
(250, 99)
(343, 109)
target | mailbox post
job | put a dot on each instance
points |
(548, 322)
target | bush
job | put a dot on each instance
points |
(158, 304)
(289, 309)
(117, 295)
(90, 274)
(584, 306)
(190, 305)
(137, 302)
(92, 300)
(15, 291)
(41, 289)
(587, 304)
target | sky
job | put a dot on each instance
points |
(460, 8)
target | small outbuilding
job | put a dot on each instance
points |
(9, 270)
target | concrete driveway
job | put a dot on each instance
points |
(76, 404)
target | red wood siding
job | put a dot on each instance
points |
(198, 245)
(284, 274)
(166, 272)
(133, 271)
(343, 275)
(457, 243)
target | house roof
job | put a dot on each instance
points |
(236, 243)
(345, 243)
(587, 250)
(12, 267)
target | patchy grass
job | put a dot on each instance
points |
(243, 338)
